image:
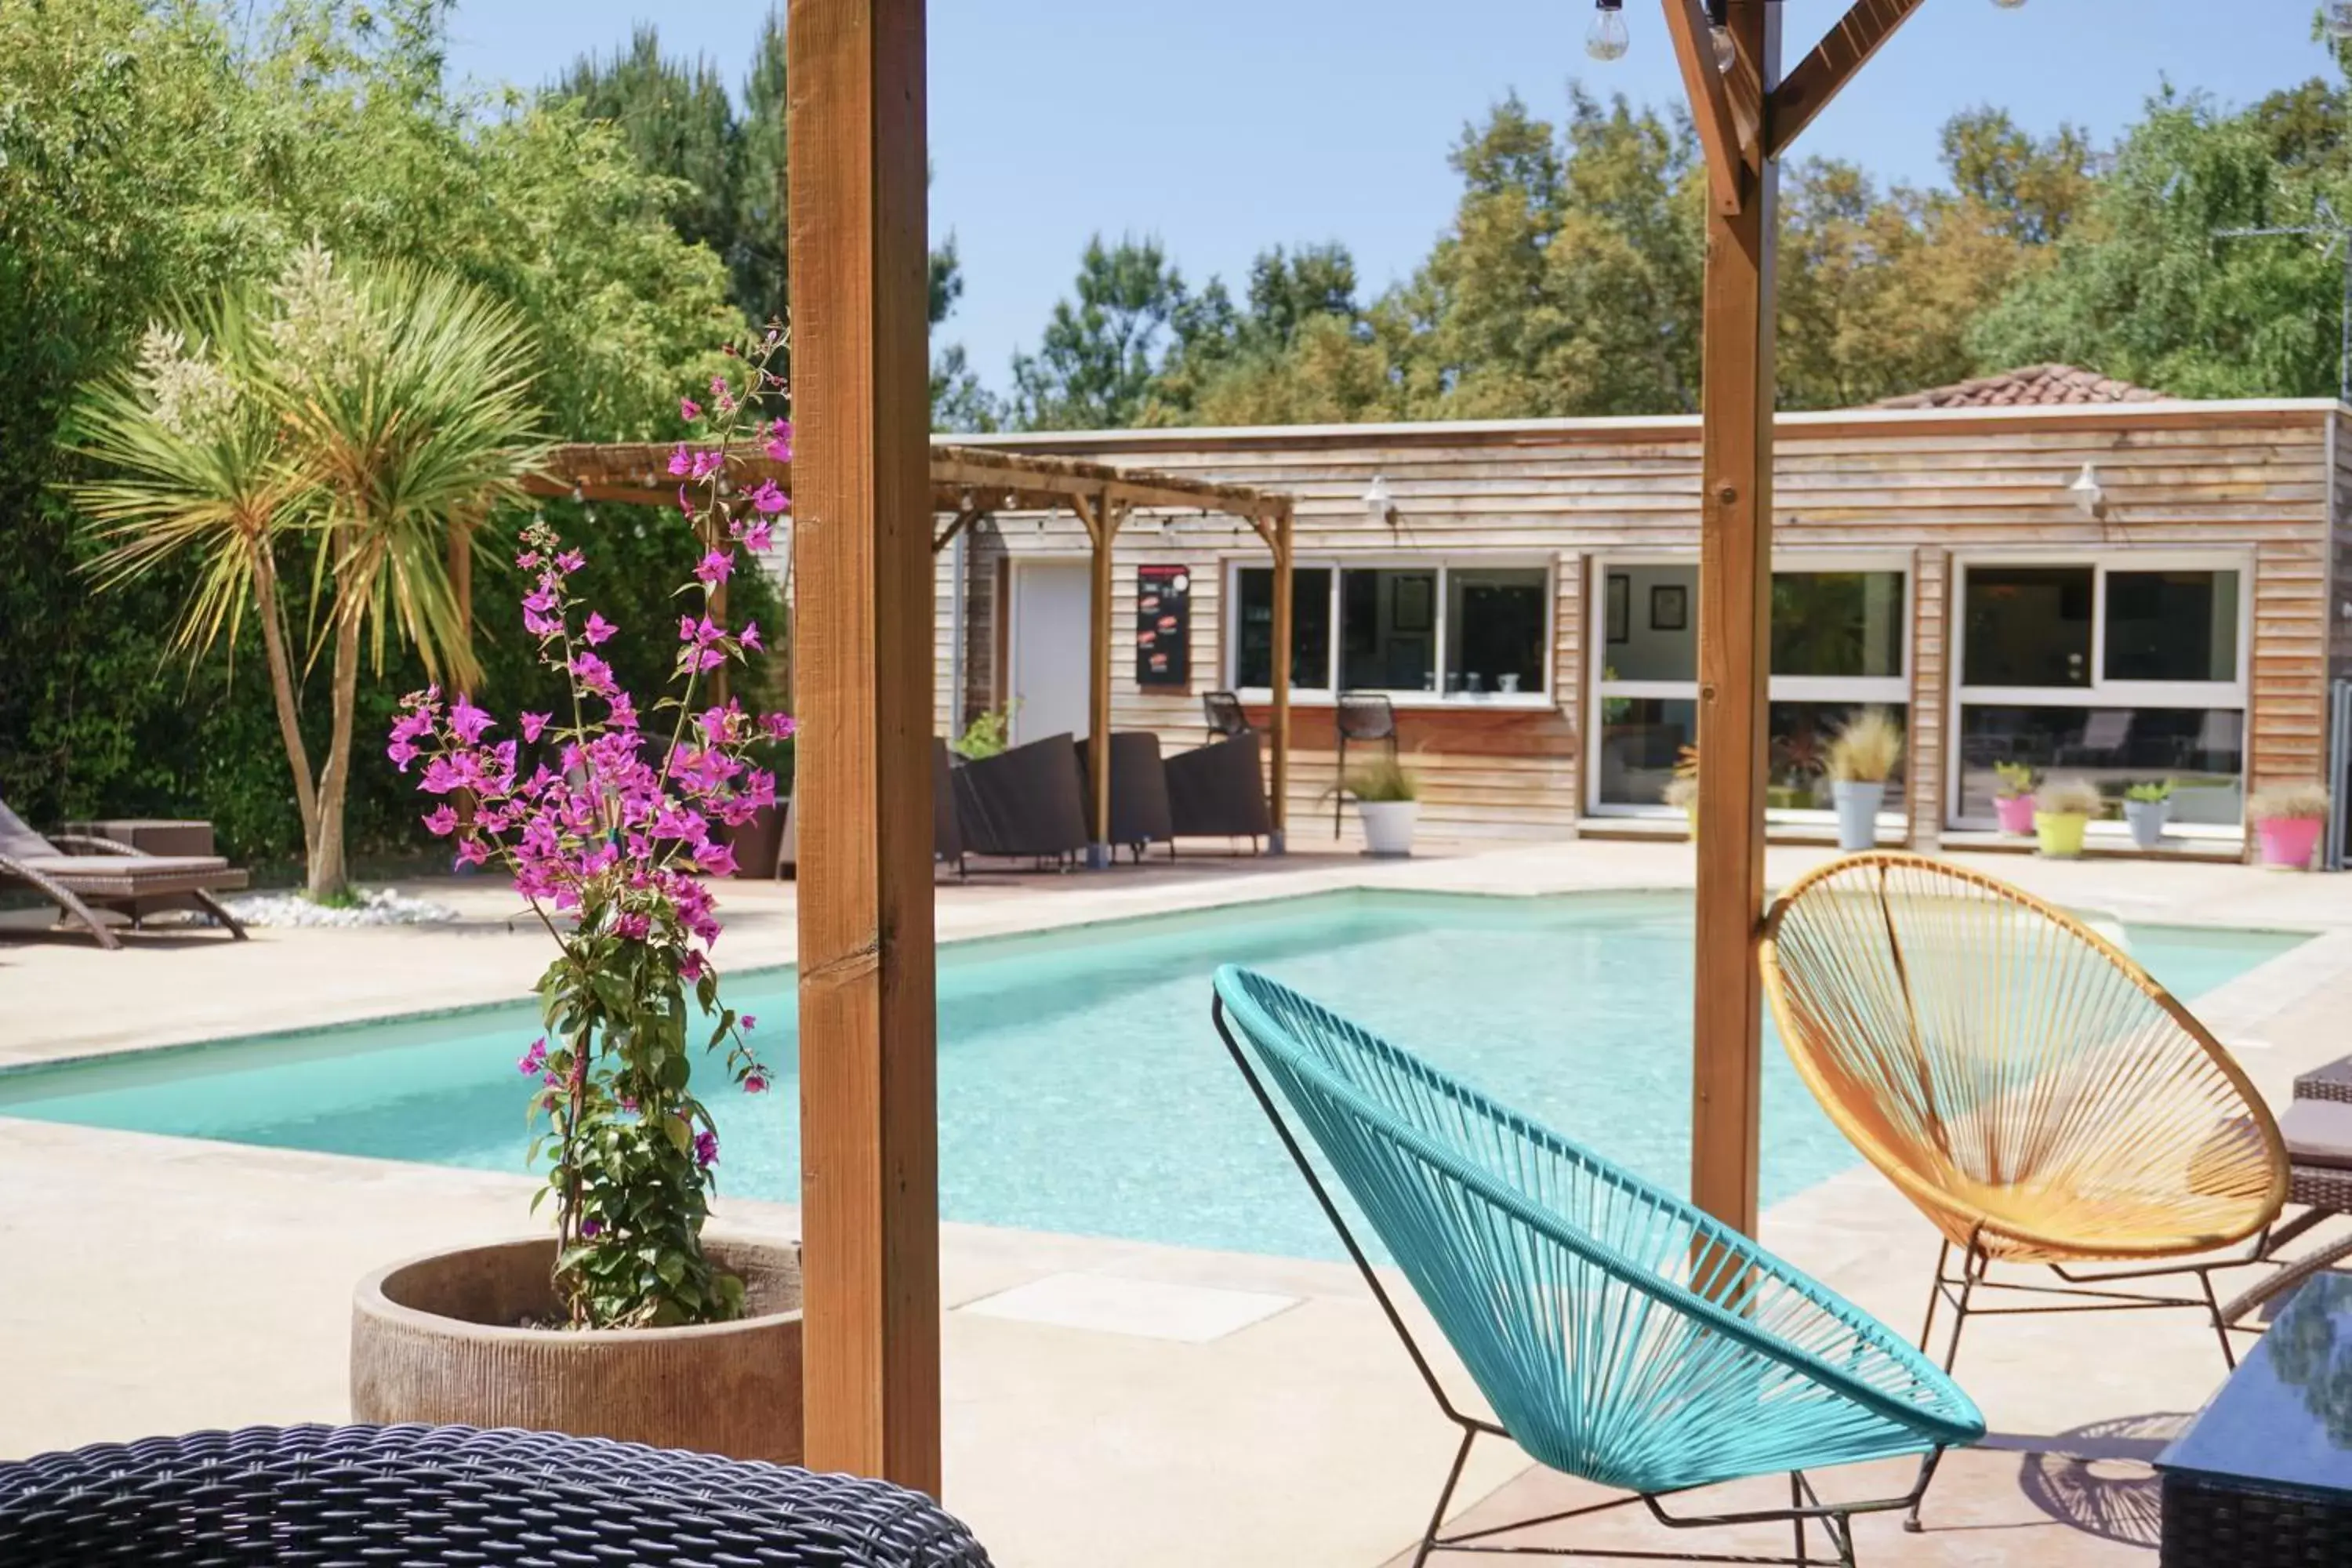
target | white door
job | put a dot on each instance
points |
(1050, 600)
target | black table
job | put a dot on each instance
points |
(2263, 1477)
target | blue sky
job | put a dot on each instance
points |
(1224, 126)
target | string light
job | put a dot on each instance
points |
(1607, 39)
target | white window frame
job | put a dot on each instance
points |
(1893, 691)
(1531, 701)
(2101, 692)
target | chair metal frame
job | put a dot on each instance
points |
(1364, 703)
(1806, 1508)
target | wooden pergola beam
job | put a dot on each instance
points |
(1719, 129)
(1823, 73)
(870, 1118)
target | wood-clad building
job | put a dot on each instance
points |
(2114, 585)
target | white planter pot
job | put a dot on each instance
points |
(2148, 818)
(1388, 825)
(1857, 813)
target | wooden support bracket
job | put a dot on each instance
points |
(1821, 75)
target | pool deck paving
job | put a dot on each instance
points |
(1106, 1402)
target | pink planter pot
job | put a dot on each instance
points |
(2016, 815)
(2289, 840)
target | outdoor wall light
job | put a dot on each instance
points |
(1378, 505)
(2090, 496)
(1607, 39)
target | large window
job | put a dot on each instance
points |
(1467, 633)
(1839, 645)
(2117, 674)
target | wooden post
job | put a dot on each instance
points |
(1734, 633)
(1278, 794)
(1102, 517)
(869, 1126)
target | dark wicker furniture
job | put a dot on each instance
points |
(1219, 791)
(1024, 803)
(1225, 716)
(413, 1497)
(2263, 1477)
(2317, 1127)
(80, 874)
(1140, 815)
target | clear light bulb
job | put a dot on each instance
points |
(2009, 5)
(1726, 51)
(1607, 39)
(2339, 20)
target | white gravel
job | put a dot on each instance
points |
(376, 907)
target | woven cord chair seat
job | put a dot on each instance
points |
(2021, 1080)
(414, 1496)
(1619, 1334)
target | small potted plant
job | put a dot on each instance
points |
(2288, 821)
(2062, 809)
(2012, 797)
(1862, 758)
(1387, 803)
(2147, 806)
(623, 1322)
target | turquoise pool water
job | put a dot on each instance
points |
(1082, 1088)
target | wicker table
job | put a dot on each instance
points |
(2263, 1477)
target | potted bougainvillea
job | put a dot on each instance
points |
(625, 1321)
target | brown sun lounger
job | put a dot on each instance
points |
(81, 875)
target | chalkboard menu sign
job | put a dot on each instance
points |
(1163, 626)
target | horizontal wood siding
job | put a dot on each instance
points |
(2230, 478)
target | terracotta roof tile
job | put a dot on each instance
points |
(2035, 385)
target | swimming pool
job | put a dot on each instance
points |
(1081, 1087)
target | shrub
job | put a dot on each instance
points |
(2288, 802)
(1868, 748)
(2017, 780)
(2069, 797)
(1383, 780)
(2150, 791)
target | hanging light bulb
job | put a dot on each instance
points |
(2009, 5)
(1726, 51)
(2339, 20)
(1607, 39)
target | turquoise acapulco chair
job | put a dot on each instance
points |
(1619, 1334)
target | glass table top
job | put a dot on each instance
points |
(2284, 1418)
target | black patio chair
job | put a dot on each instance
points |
(1139, 812)
(1225, 714)
(1361, 716)
(423, 1496)
(1218, 791)
(1023, 804)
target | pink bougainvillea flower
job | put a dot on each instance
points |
(527, 560)
(749, 638)
(441, 821)
(755, 1083)
(570, 561)
(590, 1228)
(533, 724)
(469, 722)
(779, 441)
(715, 567)
(598, 629)
(758, 535)
(768, 498)
(633, 926)
(692, 966)
(681, 460)
(705, 1149)
(534, 1061)
(780, 726)
(716, 858)
(402, 753)
(689, 409)
(684, 502)
(749, 1021)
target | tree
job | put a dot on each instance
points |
(1101, 352)
(406, 396)
(2143, 288)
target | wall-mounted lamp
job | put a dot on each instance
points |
(2090, 496)
(1378, 505)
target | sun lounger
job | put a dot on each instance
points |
(2317, 1128)
(82, 875)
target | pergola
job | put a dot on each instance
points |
(858, 173)
(968, 483)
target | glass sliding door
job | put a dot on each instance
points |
(1840, 642)
(2117, 675)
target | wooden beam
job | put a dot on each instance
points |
(1735, 599)
(1278, 789)
(1718, 131)
(1102, 517)
(869, 1120)
(963, 519)
(1821, 75)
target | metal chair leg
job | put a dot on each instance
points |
(1453, 1480)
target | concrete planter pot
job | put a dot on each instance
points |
(1388, 825)
(436, 1340)
(1857, 811)
(2147, 819)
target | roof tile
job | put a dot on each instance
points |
(2035, 385)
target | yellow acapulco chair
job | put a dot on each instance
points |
(2022, 1081)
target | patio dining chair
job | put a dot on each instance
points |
(1618, 1333)
(2027, 1085)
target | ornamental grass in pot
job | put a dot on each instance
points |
(2288, 821)
(624, 1323)
(2063, 810)
(2147, 806)
(1387, 803)
(1862, 758)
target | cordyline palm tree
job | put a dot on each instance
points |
(195, 444)
(407, 401)
(380, 409)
